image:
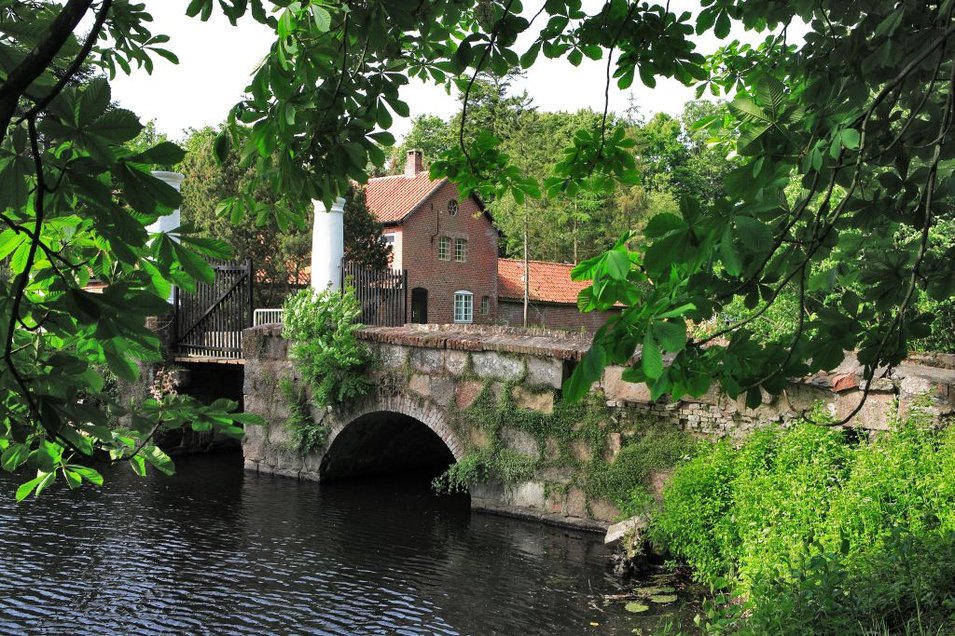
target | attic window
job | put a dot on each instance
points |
(452, 207)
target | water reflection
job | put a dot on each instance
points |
(217, 550)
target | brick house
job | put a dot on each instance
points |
(447, 244)
(449, 247)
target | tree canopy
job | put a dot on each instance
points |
(843, 171)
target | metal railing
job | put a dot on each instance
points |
(266, 317)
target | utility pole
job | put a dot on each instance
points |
(527, 271)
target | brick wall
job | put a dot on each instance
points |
(549, 315)
(419, 255)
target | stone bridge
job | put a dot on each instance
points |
(489, 400)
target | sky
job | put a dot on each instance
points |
(217, 61)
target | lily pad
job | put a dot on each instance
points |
(636, 608)
(654, 590)
(663, 598)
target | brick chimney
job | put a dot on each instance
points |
(413, 166)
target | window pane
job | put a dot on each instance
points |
(463, 307)
(460, 250)
(444, 248)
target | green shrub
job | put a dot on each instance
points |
(822, 534)
(327, 353)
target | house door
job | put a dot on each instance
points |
(419, 305)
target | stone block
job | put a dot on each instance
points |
(442, 390)
(286, 472)
(551, 449)
(580, 449)
(392, 356)
(430, 361)
(455, 362)
(251, 465)
(658, 481)
(617, 389)
(279, 436)
(479, 438)
(575, 504)
(420, 384)
(614, 444)
(253, 449)
(601, 510)
(875, 414)
(545, 371)
(496, 366)
(530, 494)
(466, 392)
(526, 399)
(617, 531)
(520, 441)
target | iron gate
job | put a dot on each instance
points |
(382, 294)
(209, 321)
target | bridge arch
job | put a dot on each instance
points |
(398, 424)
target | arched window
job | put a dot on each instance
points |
(463, 307)
(453, 207)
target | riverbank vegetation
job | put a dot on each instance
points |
(328, 357)
(816, 530)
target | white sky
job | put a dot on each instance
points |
(217, 60)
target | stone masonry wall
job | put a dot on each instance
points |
(436, 373)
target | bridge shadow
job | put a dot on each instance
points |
(385, 443)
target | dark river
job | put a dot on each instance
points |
(217, 550)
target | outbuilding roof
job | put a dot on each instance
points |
(549, 282)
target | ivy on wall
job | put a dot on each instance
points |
(573, 441)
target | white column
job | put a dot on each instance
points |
(328, 245)
(171, 221)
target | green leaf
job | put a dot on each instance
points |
(651, 359)
(138, 464)
(13, 456)
(164, 154)
(728, 254)
(585, 373)
(663, 224)
(117, 125)
(618, 264)
(322, 18)
(159, 460)
(87, 473)
(671, 335)
(25, 489)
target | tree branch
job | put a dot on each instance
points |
(38, 59)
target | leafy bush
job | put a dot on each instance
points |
(327, 353)
(822, 534)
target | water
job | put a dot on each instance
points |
(217, 550)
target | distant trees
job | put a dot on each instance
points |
(671, 157)
(281, 255)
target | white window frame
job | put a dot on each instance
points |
(460, 255)
(389, 238)
(452, 207)
(463, 307)
(444, 248)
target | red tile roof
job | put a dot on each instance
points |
(391, 199)
(549, 282)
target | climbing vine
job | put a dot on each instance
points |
(571, 446)
(308, 435)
